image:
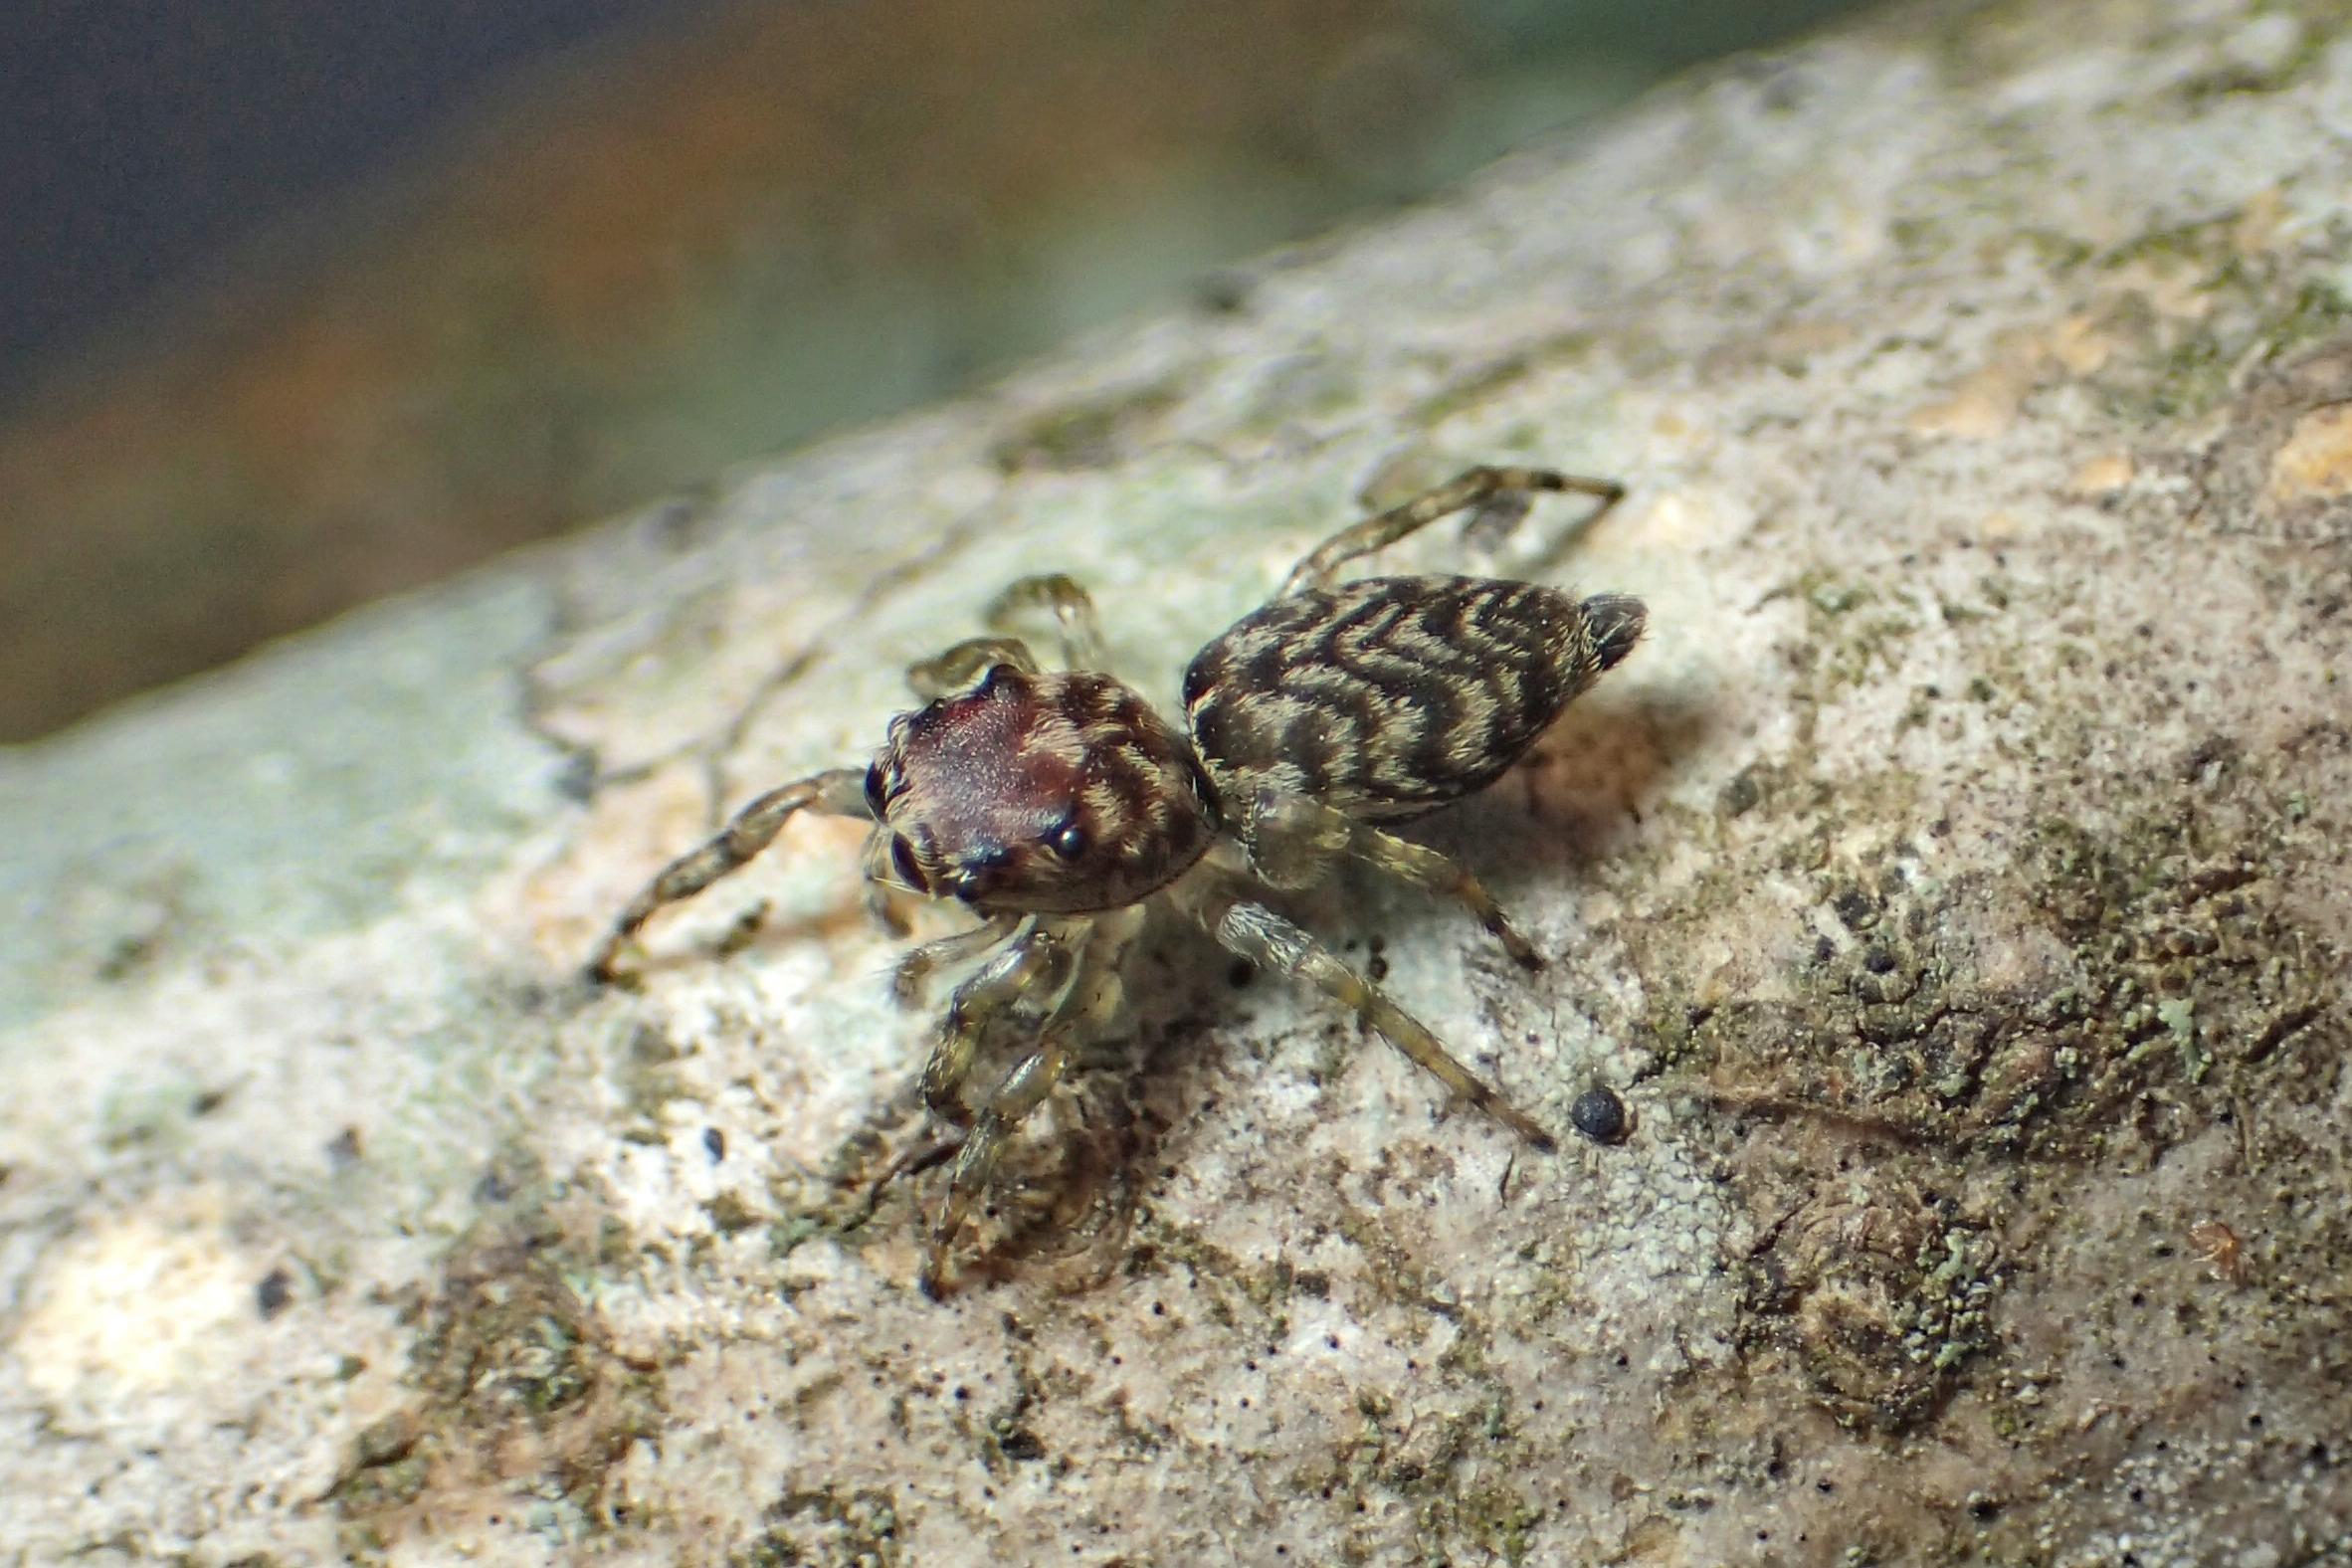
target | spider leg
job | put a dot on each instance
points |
(1293, 840)
(838, 792)
(1082, 1008)
(1253, 931)
(1073, 612)
(915, 1161)
(954, 669)
(1041, 957)
(1468, 489)
(917, 965)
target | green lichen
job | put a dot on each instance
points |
(514, 1383)
(1087, 435)
(831, 1525)
(2257, 312)
(2321, 24)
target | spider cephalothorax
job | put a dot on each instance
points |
(1059, 794)
(1054, 804)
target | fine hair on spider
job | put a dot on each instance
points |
(1053, 803)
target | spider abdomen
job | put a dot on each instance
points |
(1389, 697)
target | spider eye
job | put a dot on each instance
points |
(902, 862)
(873, 790)
(1067, 841)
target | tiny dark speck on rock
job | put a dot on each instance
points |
(343, 1148)
(576, 781)
(1742, 795)
(716, 1142)
(273, 1293)
(1600, 1115)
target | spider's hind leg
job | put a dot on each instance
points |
(1468, 489)
(1294, 841)
(1253, 931)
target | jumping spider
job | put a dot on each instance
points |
(1055, 803)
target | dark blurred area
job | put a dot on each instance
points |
(303, 304)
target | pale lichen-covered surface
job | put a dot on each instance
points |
(1955, 884)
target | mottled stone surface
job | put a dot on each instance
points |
(1954, 884)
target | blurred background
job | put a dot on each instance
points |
(301, 305)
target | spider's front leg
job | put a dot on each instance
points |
(838, 792)
(1250, 929)
(1090, 997)
(914, 970)
(1292, 842)
(1037, 966)
(1472, 488)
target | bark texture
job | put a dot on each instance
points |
(1954, 883)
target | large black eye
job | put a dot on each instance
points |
(1068, 840)
(873, 790)
(902, 862)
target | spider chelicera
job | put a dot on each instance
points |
(1055, 803)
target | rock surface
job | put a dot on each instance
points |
(1954, 885)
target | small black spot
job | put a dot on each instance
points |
(1878, 961)
(342, 1150)
(208, 1102)
(275, 1293)
(577, 779)
(1600, 1115)
(715, 1142)
(1742, 795)
(1021, 1445)
(1241, 974)
(1855, 909)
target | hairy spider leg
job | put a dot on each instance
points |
(1038, 963)
(1242, 926)
(1089, 1004)
(1293, 839)
(953, 669)
(1074, 611)
(912, 972)
(1032, 960)
(1467, 489)
(837, 792)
